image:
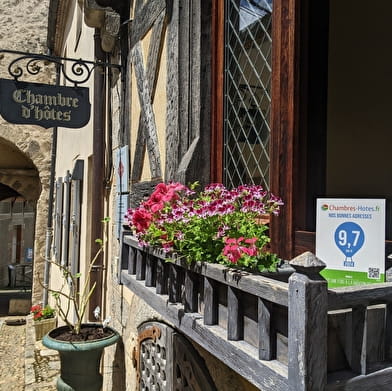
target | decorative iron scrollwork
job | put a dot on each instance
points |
(78, 73)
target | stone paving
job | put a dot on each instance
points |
(42, 365)
(12, 340)
(25, 364)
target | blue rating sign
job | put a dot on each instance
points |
(349, 238)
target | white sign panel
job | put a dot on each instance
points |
(122, 169)
(350, 239)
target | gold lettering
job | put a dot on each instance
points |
(30, 98)
(25, 112)
(49, 100)
(18, 97)
(38, 113)
(60, 100)
(42, 107)
(47, 113)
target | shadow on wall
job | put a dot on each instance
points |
(118, 365)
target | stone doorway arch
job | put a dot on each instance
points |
(24, 188)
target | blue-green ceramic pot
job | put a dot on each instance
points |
(80, 361)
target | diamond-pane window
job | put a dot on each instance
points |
(247, 99)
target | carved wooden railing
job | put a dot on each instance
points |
(280, 334)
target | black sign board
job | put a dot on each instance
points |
(43, 104)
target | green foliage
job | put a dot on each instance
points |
(215, 225)
(40, 313)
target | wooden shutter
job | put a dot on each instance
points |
(58, 212)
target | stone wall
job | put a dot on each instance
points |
(23, 26)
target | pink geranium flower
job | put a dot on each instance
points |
(236, 248)
(141, 219)
(214, 225)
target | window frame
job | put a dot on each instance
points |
(284, 115)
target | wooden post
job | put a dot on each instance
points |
(211, 305)
(140, 264)
(162, 277)
(131, 260)
(235, 321)
(358, 345)
(191, 291)
(388, 332)
(175, 283)
(308, 325)
(150, 270)
(267, 333)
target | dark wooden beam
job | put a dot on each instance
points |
(217, 89)
(284, 121)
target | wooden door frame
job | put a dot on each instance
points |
(217, 89)
(284, 122)
(299, 121)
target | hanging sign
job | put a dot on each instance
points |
(350, 239)
(43, 104)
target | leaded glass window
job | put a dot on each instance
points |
(247, 98)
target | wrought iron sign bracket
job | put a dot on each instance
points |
(78, 73)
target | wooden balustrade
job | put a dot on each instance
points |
(280, 335)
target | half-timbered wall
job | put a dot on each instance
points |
(168, 108)
(169, 82)
(148, 87)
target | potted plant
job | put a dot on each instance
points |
(44, 319)
(214, 225)
(80, 345)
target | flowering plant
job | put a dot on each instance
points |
(40, 313)
(214, 225)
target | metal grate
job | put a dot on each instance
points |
(166, 361)
(247, 100)
(153, 358)
(153, 366)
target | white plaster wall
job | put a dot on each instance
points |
(73, 144)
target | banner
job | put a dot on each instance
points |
(44, 105)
